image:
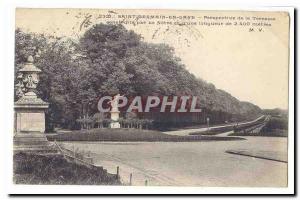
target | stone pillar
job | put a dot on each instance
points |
(115, 113)
(30, 112)
(114, 116)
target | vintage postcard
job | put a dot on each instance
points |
(144, 97)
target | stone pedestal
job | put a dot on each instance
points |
(114, 116)
(30, 110)
(30, 125)
(114, 125)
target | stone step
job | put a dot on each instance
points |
(30, 134)
(40, 139)
(35, 146)
(33, 138)
(48, 148)
(31, 143)
(30, 138)
(37, 151)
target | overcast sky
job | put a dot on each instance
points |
(252, 66)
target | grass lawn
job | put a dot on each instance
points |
(129, 135)
(277, 133)
(214, 131)
(55, 169)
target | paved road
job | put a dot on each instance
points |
(225, 133)
(184, 132)
(192, 163)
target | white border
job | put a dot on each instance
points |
(8, 16)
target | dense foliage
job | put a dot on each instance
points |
(107, 60)
(276, 123)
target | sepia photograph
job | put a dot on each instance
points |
(152, 97)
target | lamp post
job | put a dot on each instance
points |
(207, 120)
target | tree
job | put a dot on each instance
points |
(109, 59)
(60, 77)
(104, 47)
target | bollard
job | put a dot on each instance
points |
(146, 182)
(117, 172)
(74, 153)
(130, 179)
